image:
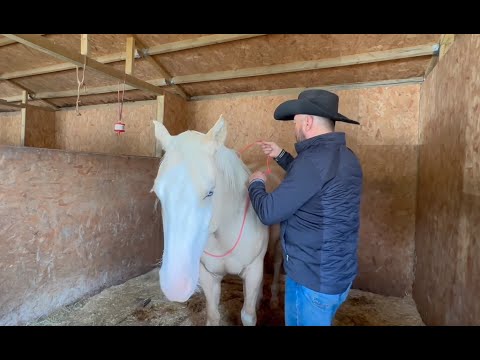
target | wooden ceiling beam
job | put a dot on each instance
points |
(296, 91)
(154, 50)
(197, 42)
(23, 106)
(7, 41)
(393, 54)
(17, 106)
(32, 94)
(356, 59)
(48, 47)
(157, 65)
(287, 91)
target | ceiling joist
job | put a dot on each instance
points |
(7, 41)
(296, 91)
(46, 46)
(17, 106)
(378, 56)
(32, 94)
(23, 106)
(394, 54)
(154, 50)
(157, 65)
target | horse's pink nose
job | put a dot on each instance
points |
(183, 285)
(179, 288)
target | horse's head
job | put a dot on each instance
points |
(187, 186)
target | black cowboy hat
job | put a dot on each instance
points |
(312, 102)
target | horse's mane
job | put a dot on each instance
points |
(235, 171)
(227, 161)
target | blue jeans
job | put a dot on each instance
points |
(306, 307)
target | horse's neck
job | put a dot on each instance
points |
(233, 201)
(231, 205)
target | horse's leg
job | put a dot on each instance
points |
(260, 296)
(276, 275)
(252, 285)
(211, 286)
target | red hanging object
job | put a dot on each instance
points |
(119, 127)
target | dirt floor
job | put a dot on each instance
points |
(140, 302)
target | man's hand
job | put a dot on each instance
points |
(270, 148)
(257, 175)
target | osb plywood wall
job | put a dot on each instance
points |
(386, 143)
(175, 114)
(447, 280)
(10, 128)
(70, 225)
(92, 131)
(40, 128)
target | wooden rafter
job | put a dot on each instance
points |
(154, 50)
(364, 58)
(156, 64)
(197, 42)
(393, 54)
(22, 106)
(69, 93)
(7, 41)
(60, 52)
(294, 91)
(113, 88)
(17, 106)
(32, 94)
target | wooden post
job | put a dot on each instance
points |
(130, 55)
(24, 117)
(84, 46)
(445, 42)
(160, 118)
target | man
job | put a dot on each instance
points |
(318, 207)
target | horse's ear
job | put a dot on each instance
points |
(218, 132)
(162, 134)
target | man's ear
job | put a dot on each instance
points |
(309, 121)
(218, 133)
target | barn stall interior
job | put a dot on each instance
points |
(81, 235)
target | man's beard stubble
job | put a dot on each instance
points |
(299, 136)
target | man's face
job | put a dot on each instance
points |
(298, 120)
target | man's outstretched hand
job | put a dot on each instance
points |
(270, 148)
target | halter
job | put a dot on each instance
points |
(268, 171)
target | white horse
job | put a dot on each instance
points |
(210, 228)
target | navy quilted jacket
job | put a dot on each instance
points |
(318, 207)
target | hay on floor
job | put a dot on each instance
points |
(139, 301)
